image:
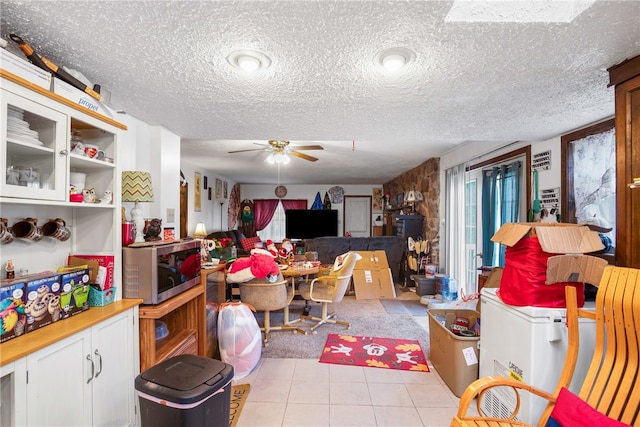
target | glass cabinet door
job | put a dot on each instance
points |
(33, 141)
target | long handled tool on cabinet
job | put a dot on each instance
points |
(45, 64)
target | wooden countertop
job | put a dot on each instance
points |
(20, 347)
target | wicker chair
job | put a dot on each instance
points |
(612, 384)
(267, 297)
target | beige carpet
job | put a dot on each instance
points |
(239, 394)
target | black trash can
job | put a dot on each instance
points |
(185, 390)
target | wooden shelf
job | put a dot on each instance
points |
(185, 316)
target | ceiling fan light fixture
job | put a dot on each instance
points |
(394, 59)
(248, 61)
(277, 158)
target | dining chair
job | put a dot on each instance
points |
(330, 289)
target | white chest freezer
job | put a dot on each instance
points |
(528, 344)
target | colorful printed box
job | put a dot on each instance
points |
(13, 319)
(42, 305)
(74, 293)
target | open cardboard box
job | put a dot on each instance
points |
(569, 241)
(372, 278)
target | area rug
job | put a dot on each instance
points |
(239, 394)
(387, 353)
(367, 318)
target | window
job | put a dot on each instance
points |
(470, 218)
(276, 229)
(589, 180)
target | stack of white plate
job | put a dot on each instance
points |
(18, 129)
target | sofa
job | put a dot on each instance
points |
(328, 248)
(235, 235)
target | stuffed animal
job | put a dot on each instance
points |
(259, 265)
(271, 248)
(286, 250)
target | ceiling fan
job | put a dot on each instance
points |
(279, 151)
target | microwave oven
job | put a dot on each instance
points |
(159, 272)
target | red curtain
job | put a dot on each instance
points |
(264, 210)
(294, 204)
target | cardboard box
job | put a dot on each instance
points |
(74, 292)
(25, 69)
(456, 358)
(372, 277)
(77, 96)
(571, 240)
(42, 305)
(103, 277)
(12, 309)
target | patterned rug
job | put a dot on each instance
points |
(387, 353)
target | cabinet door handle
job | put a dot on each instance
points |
(97, 353)
(64, 152)
(92, 368)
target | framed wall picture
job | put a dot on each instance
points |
(218, 193)
(377, 199)
(225, 194)
(206, 184)
(196, 191)
(209, 191)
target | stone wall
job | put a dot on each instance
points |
(426, 179)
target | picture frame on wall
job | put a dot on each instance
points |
(205, 184)
(218, 192)
(225, 194)
(209, 191)
(377, 199)
(197, 178)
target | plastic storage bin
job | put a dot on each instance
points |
(185, 390)
(424, 285)
(455, 357)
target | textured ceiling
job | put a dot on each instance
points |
(165, 62)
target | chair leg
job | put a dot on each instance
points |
(326, 318)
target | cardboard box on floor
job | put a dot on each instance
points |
(372, 277)
(569, 240)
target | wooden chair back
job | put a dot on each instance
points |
(612, 382)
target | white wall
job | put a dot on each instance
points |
(266, 191)
(213, 216)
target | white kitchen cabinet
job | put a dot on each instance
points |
(36, 162)
(84, 379)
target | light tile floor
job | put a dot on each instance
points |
(305, 392)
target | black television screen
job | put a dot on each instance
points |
(309, 224)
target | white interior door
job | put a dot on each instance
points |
(357, 215)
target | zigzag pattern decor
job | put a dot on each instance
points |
(136, 186)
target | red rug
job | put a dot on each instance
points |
(376, 352)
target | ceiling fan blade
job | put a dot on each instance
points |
(303, 156)
(264, 147)
(244, 151)
(307, 147)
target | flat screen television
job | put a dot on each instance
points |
(311, 223)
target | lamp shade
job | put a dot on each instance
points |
(200, 231)
(413, 196)
(136, 186)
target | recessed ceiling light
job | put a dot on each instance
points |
(394, 59)
(248, 60)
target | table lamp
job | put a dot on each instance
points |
(412, 197)
(201, 231)
(136, 187)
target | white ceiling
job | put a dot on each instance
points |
(164, 62)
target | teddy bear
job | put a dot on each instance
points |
(259, 265)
